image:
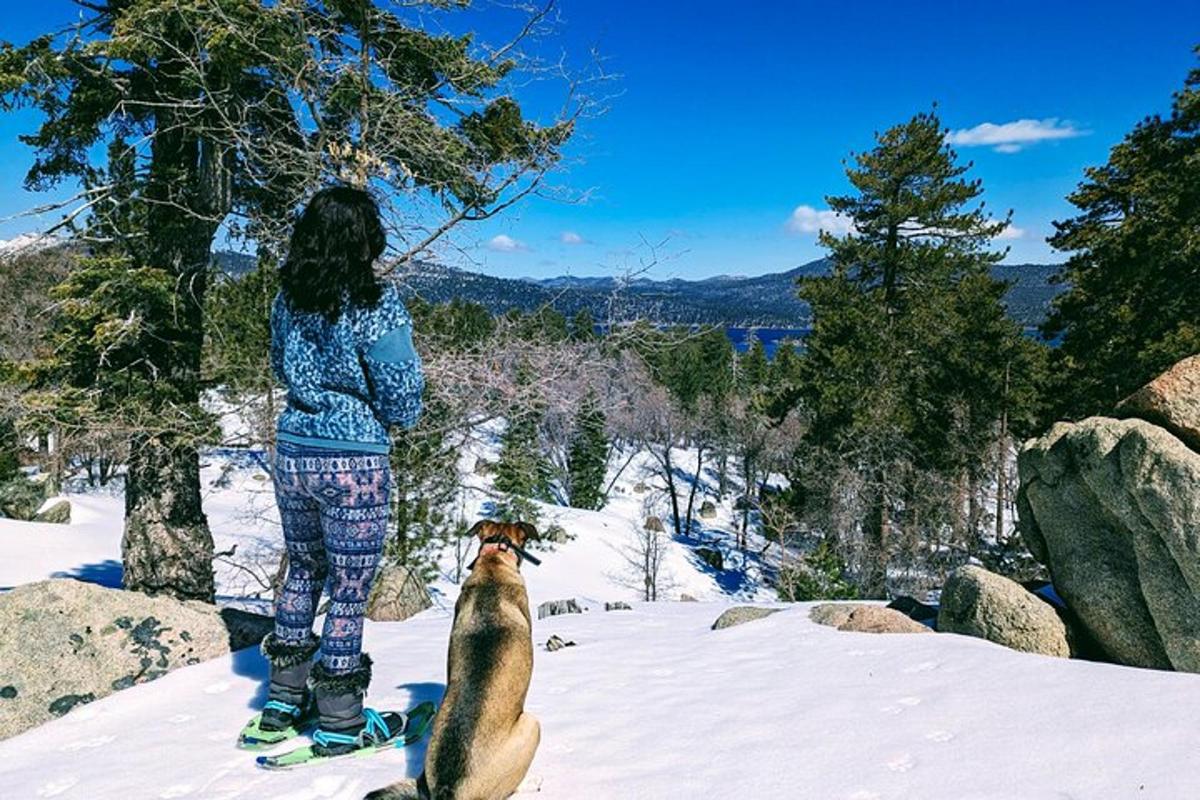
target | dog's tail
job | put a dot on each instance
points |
(403, 790)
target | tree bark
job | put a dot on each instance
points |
(1002, 458)
(876, 535)
(695, 483)
(167, 547)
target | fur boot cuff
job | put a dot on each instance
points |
(355, 681)
(282, 655)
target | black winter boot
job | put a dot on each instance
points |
(345, 726)
(288, 699)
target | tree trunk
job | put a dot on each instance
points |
(876, 535)
(695, 483)
(1002, 458)
(167, 547)
(669, 477)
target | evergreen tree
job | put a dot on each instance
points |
(521, 469)
(1132, 306)
(909, 342)
(753, 367)
(583, 326)
(10, 450)
(587, 457)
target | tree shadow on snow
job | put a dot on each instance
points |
(104, 573)
(734, 579)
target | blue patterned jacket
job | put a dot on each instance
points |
(349, 380)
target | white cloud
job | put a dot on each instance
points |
(1012, 137)
(1011, 232)
(506, 244)
(806, 219)
(571, 237)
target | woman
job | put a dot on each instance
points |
(341, 342)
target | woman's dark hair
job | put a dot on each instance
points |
(332, 252)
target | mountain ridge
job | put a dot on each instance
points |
(767, 300)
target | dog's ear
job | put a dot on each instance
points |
(530, 532)
(478, 528)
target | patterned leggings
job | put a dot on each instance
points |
(334, 510)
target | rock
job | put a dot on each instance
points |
(58, 512)
(67, 643)
(687, 598)
(711, 557)
(552, 608)
(832, 614)
(708, 510)
(979, 603)
(1112, 508)
(739, 615)
(555, 642)
(20, 498)
(914, 609)
(640, 488)
(1171, 401)
(246, 629)
(654, 524)
(859, 618)
(556, 534)
(396, 595)
(618, 606)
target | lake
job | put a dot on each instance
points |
(743, 338)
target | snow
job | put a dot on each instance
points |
(26, 243)
(90, 547)
(649, 703)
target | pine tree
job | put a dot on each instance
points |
(1132, 306)
(753, 368)
(587, 457)
(909, 338)
(583, 326)
(522, 470)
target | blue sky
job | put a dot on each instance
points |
(732, 119)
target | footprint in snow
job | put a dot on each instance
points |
(217, 688)
(179, 719)
(662, 672)
(924, 666)
(55, 788)
(88, 744)
(530, 785)
(178, 790)
(902, 763)
(901, 704)
(939, 736)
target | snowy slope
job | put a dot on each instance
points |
(90, 547)
(653, 704)
(650, 703)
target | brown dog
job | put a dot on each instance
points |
(483, 741)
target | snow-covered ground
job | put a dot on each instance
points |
(649, 703)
